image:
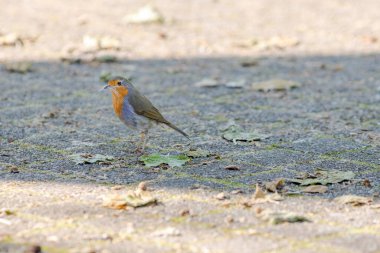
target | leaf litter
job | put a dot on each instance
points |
(146, 15)
(132, 199)
(354, 200)
(234, 133)
(323, 177)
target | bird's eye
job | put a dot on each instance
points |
(118, 83)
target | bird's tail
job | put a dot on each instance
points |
(178, 130)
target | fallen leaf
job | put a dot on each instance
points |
(237, 84)
(236, 192)
(275, 185)
(278, 217)
(19, 67)
(91, 43)
(208, 83)
(235, 133)
(231, 167)
(261, 197)
(259, 193)
(142, 186)
(155, 160)
(353, 200)
(275, 85)
(315, 189)
(249, 63)
(132, 199)
(10, 39)
(221, 196)
(166, 232)
(324, 177)
(88, 158)
(145, 15)
(197, 153)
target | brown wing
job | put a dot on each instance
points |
(144, 107)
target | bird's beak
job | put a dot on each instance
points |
(104, 88)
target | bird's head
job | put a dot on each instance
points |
(119, 86)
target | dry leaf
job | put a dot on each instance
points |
(10, 39)
(353, 200)
(142, 186)
(315, 189)
(146, 15)
(259, 193)
(130, 200)
(19, 67)
(261, 197)
(91, 43)
(208, 83)
(231, 167)
(275, 85)
(275, 185)
(323, 177)
(249, 63)
(237, 84)
(134, 199)
(221, 196)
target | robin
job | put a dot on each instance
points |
(135, 110)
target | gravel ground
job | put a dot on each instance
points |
(330, 49)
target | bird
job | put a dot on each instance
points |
(135, 110)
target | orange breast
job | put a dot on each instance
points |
(117, 103)
(118, 100)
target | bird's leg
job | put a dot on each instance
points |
(144, 138)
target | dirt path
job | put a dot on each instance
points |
(329, 123)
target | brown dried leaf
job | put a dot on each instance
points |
(259, 193)
(146, 15)
(315, 189)
(354, 200)
(134, 199)
(275, 185)
(10, 39)
(221, 196)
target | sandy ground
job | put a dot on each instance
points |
(330, 49)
